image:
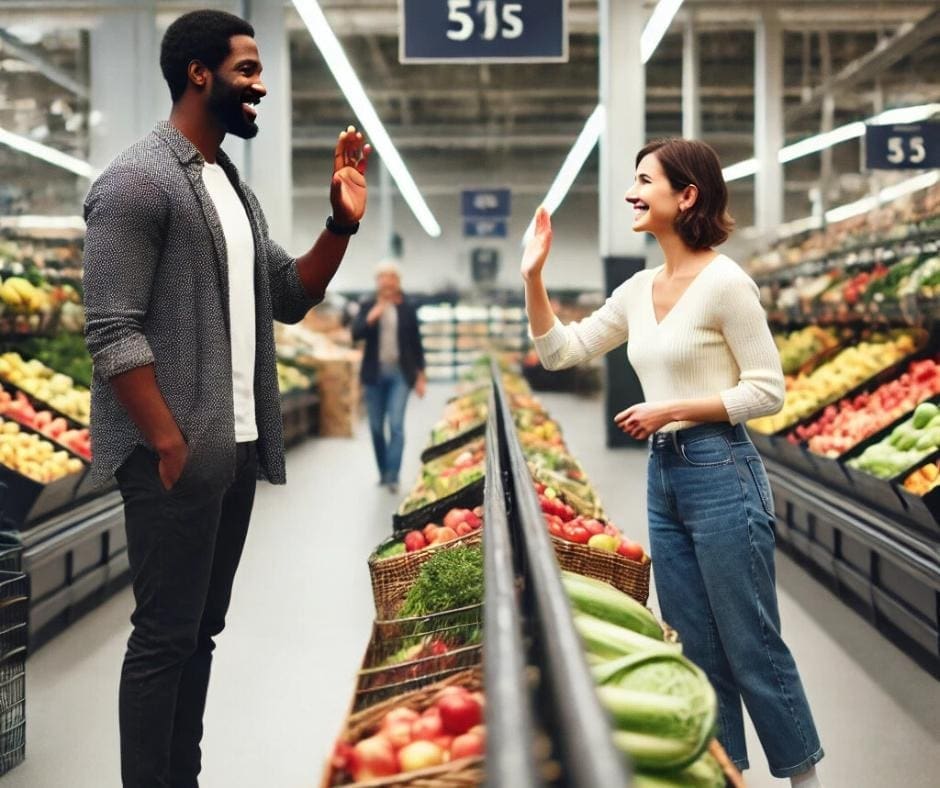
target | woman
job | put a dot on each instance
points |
(700, 344)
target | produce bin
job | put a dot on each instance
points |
(24, 501)
(464, 773)
(467, 497)
(460, 631)
(12, 710)
(923, 511)
(440, 449)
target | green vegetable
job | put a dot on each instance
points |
(704, 773)
(392, 550)
(924, 413)
(930, 439)
(603, 601)
(664, 707)
(604, 639)
(449, 580)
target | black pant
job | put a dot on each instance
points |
(184, 547)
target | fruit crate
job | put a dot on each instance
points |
(436, 450)
(442, 644)
(12, 710)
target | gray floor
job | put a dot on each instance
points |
(300, 621)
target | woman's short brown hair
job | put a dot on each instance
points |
(688, 162)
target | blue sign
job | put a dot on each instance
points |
(903, 146)
(486, 203)
(485, 228)
(483, 31)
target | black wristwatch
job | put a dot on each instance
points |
(341, 229)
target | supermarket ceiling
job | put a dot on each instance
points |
(498, 116)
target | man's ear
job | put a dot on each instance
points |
(198, 74)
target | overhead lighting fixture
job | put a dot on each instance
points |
(332, 51)
(27, 222)
(864, 205)
(578, 154)
(653, 33)
(47, 154)
(820, 142)
(656, 27)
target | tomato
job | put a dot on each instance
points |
(593, 526)
(459, 713)
(576, 533)
(467, 746)
(556, 529)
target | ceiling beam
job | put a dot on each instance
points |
(19, 50)
(908, 38)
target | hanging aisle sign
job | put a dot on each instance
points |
(483, 31)
(903, 146)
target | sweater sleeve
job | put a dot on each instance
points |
(760, 390)
(567, 346)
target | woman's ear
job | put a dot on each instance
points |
(688, 197)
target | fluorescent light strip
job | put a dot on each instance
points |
(578, 154)
(47, 154)
(866, 204)
(332, 51)
(28, 222)
(819, 142)
(656, 27)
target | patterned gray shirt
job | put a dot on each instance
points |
(156, 292)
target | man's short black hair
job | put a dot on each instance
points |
(199, 35)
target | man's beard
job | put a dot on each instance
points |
(225, 102)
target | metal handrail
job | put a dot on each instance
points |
(590, 759)
(510, 757)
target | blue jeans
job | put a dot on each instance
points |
(711, 518)
(387, 399)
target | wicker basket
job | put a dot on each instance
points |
(392, 578)
(378, 680)
(631, 577)
(465, 773)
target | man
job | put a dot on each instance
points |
(181, 285)
(392, 365)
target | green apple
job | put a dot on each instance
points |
(603, 542)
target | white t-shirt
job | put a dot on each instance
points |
(240, 249)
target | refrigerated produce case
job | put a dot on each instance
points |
(847, 506)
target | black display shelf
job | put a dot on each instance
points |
(881, 565)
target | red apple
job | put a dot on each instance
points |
(459, 714)
(468, 745)
(445, 742)
(400, 714)
(474, 520)
(414, 540)
(454, 517)
(398, 734)
(630, 550)
(374, 757)
(463, 529)
(444, 534)
(429, 727)
(594, 527)
(429, 530)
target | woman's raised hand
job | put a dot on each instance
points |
(537, 249)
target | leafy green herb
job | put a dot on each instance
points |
(451, 579)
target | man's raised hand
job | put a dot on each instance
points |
(348, 188)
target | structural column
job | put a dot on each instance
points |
(623, 95)
(691, 94)
(269, 156)
(125, 52)
(768, 121)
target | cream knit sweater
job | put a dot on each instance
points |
(715, 340)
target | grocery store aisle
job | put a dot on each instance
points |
(300, 621)
(878, 713)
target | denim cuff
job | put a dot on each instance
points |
(790, 771)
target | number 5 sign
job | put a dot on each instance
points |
(911, 146)
(483, 31)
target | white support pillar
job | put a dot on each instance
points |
(386, 209)
(124, 50)
(269, 156)
(691, 93)
(623, 94)
(768, 121)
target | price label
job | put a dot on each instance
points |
(909, 146)
(485, 228)
(489, 203)
(483, 31)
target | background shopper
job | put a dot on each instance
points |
(181, 285)
(700, 344)
(392, 366)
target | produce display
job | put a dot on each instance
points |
(445, 475)
(409, 738)
(800, 347)
(53, 388)
(807, 393)
(910, 442)
(65, 353)
(843, 426)
(450, 580)
(292, 379)
(455, 524)
(34, 457)
(460, 415)
(21, 410)
(924, 479)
